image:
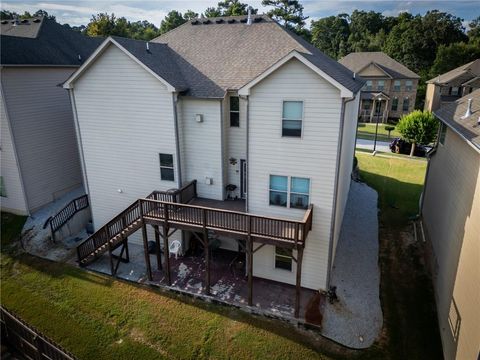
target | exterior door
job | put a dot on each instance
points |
(243, 178)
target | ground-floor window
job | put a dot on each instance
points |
(3, 192)
(166, 167)
(406, 104)
(395, 104)
(283, 258)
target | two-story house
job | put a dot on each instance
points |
(390, 89)
(451, 218)
(39, 152)
(452, 85)
(253, 125)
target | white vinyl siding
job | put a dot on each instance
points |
(313, 156)
(15, 199)
(43, 131)
(201, 145)
(450, 212)
(126, 120)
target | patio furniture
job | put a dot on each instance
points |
(175, 248)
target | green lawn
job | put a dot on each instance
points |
(367, 131)
(398, 181)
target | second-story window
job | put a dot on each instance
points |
(292, 117)
(166, 167)
(406, 104)
(295, 194)
(408, 85)
(234, 111)
(396, 85)
(368, 85)
(395, 104)
(454, 90)
(299, 192)
(381, 85)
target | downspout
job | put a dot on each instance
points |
(429, 156)
(335, 192)
(80, 144)
(247, 122)
(177, 138)
(223, 149)
(7, 119)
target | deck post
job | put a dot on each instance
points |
(147, 256)
(112, 267)
(207, 253)
(299, 280)
(157, 247)
(127, 254)
(250, 261)
(166, 251)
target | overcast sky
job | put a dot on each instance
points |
(80, 11)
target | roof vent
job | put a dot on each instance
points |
(36, 20)
(249, 16)
(231, 21)
(147, 46)
(206, 22)
(195, 22)
(258, 19)
(354, 76)
(79, 57)
(219, 21)
(468, 113)
(244, 20)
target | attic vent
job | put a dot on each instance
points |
(206, 22)
(79, 57)
(195, 22)
(468, 113)
(257, 19)
(4, 22)
(219, 21)
(231, 21)
(244, 20)
(36, 20)
(24, 21)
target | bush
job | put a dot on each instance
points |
(418, 127)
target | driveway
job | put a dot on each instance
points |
(368, 144)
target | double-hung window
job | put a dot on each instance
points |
(283, 258)
(406, 104)
(292, 117)
(368, 85)
(166, 167)
(294, 193)
(395, 104)
(234, 111)
(396, 85)
(454, 90)
(408, 85)
(381, 85)
(3, 192)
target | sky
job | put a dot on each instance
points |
(79, 12)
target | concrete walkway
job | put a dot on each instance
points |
(368, 144)
(356, 319)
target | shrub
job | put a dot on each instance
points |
(418, 127)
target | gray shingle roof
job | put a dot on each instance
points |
(226, 53)
(359, 60)
(44, 43)
(467, 71)
(452, 114)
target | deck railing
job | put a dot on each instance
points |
(64, 215)
(175, 214)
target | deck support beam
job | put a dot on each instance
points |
(298, 285)
(157, 247)
(250, 261)
(207, 253)
(147, 255)
(166, 251)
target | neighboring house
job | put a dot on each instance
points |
(250, 111)
(451, 218)
(39, 152)
(390, 89)
(452, 85)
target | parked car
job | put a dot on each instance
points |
(400, 146)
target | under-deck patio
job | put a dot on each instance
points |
(229, 281)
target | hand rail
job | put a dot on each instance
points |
(64, 215)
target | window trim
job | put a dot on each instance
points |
(396, 107)
(301, 120)
(289, 191)
(378, 85)
(408, 87)
(403, 104)
(275, 254)
(166, 167)
(369, 88)
(230, 111)
(399, 85)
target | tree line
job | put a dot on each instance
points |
(429, 45)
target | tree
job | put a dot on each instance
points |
(234, 8)
(418, 127)
(287, 12)
(452, 56)
(364, 25)
(101, 25)
(212, 12)
(45, 14)
(474, 31)
(172, 20)
(190, 14)
(330, 34)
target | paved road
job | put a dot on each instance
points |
(368, 144)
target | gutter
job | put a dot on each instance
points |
(333, 224)
(177, 138)
(247, 121)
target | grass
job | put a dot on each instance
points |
(11, 226)
(398, 181)
(367, 132)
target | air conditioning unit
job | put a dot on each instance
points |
(199, 118)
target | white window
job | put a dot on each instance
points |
(408, 85)
(166, 167)
(283, 258)
(396, 85)
(293, 194)
(234, 111)
(381, 85)
(368, 85)
(292, 116)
